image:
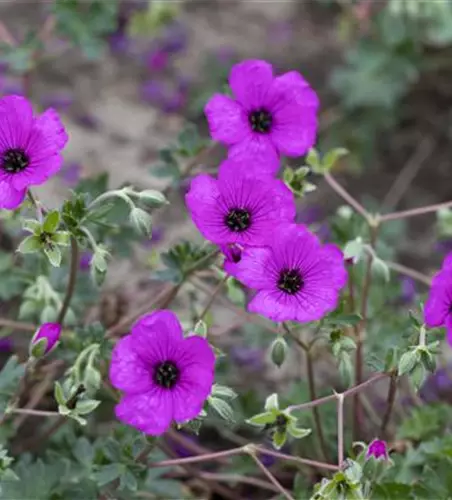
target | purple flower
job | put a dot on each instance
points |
(165, 376)
(70, 173)
(29, 148)
(157, 60)
(174, 38)
(238, 208)
(251, 358)
(157, 236)
(268, 115)
(232, 255)
(438, 308)
(45, 339)
(377, 449)
(408, 290)
(85, 260)
(296, 278)
(6, 344)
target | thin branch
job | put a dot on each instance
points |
(212, 298)
(271, 477)
(199, 458)
(237, 478)
(298, 460)
(390, 404)
(415, 211)
(347, 197)
(359, 355)
(332, 397)
(72, 280)
(407, 271)
(408, 173)
(340, 430)
(35, 413)
(17, 325)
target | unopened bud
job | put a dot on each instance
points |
(45, 339)
(278, 351)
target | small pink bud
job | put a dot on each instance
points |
(45, 339)
(377, 449)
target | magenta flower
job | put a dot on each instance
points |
(296, 278)
(377, 449)
(232, 256)
(29, 148)
(268, 115)
(45, 339)
(165, 376)
(438, 308)
(238, 207)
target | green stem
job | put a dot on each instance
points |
(72, 280)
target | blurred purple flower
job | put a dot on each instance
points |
(437, 386)
(158, 94)
(178, 448)
(377, 449)
(157, 60)
(408, 290)
(443, 246)
(58, 100)
(85, 260)
(70, 173)
(119, 42)
(87, 121)
(174, 38)
(6, 344)
(156, 237)
(280, 32)
(251, 358)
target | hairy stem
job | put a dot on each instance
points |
(212, 298)
(271, 477)
(415, 211)
(72, 280)
(390, 402)
(347, 197)
(340, 430)
(359, 355)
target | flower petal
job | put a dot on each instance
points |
(294, 107)
(51, 126)
(10, 198)
(260, 153)
(438, 304)
(256, 268)
(207, 212)
(250, 81)
(127, 370)
(150, 412)
(195, 352)
(16, 120)
(227, 119)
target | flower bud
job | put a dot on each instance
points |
(141, 220)
(377, 449)
(45, 339)
(278, 351)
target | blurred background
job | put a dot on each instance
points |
(136, 74)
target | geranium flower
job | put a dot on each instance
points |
(45, 339)
(296, 278)
(267, 116)
(232, 255)
(438, 308)
(377, 449)
(165, 376)
(29, 148)
(238, 207)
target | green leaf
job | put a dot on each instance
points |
(31, 225)
(379, 268)
(297, 432)
(271, 403)
(408, 361)
(59, 394)
(222, 408)
(30, 244)
(313, 160)
(200, 329)
(54, 255)
(51, 222)
(354, 250)
(330, 158)
(9, 378)
(108, 473)
(83, 451)
(38, 348)
(345, 319)
(86, 406)
(223, 391)
(61, 238)
(155, 198)
(279, 439)
(262, 419)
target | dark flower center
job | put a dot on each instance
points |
(238, 220)
(166, 374)
(290, 281)
(261, 121)
(14, 160)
